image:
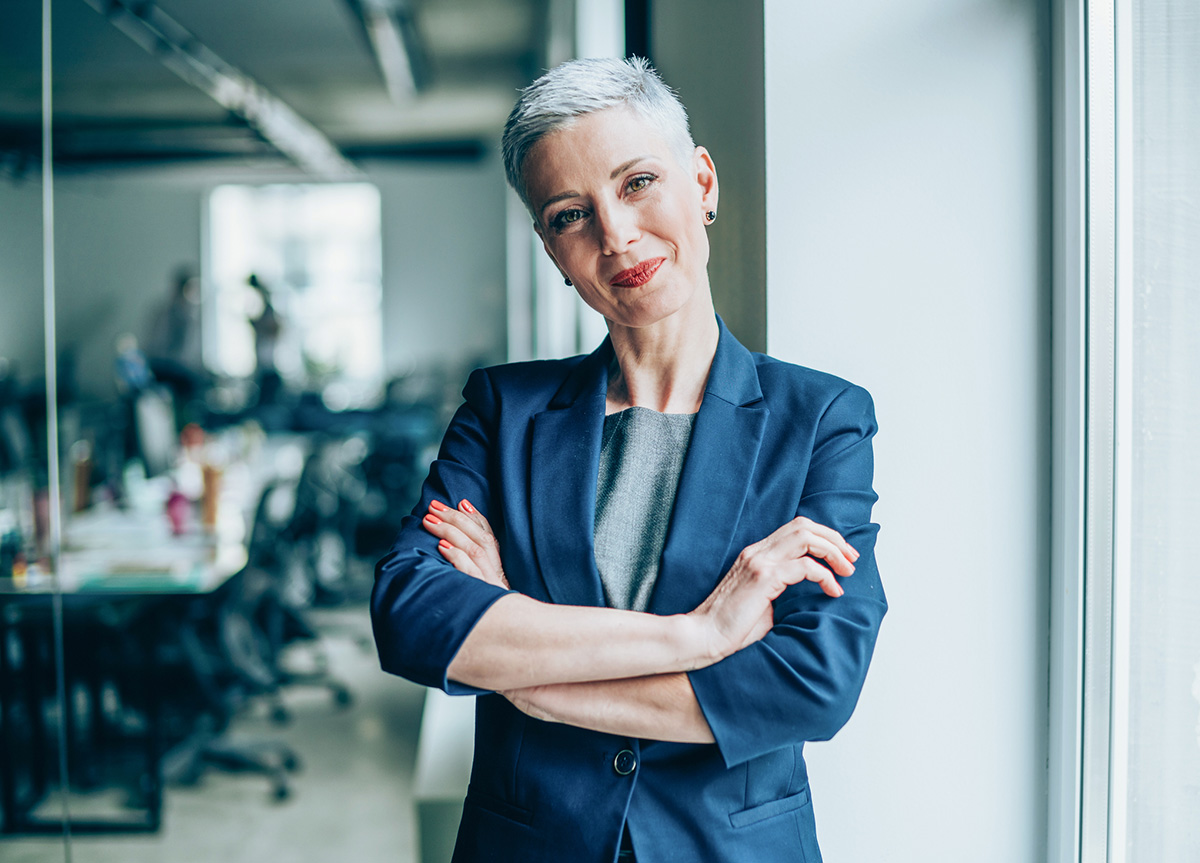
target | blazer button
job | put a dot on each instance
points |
(625, 763)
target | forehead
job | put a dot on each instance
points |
(586, 150)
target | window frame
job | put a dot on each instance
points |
(1092, 429)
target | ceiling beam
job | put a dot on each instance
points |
(273, 119)
(396, 45)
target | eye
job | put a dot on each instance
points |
(566, 218)
(641, 181)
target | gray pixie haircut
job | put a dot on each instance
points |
(580, 87)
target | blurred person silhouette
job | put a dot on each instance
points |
(173, 348)
(130, 366)
(267, 325)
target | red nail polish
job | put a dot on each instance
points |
(443, 544)
(433, 519)
(466, 505)
(437, 505)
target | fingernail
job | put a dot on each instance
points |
(433, 519)
(443, 544)
(437, 505)
(466, 505)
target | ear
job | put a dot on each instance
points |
(706, 178)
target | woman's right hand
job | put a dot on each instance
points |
(738, 612)
(466, 540)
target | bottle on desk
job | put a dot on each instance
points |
(81, 475)
(209, 499)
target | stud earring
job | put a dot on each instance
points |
(567, 281)
(710, 217)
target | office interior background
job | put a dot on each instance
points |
(986, 212)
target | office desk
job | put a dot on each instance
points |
(126, 587)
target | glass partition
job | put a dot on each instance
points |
(32, 759)
(223, 490)
(250, 368)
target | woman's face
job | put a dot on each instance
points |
(622, 219)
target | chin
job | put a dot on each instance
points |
(645, 315)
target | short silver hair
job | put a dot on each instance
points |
(580, 87)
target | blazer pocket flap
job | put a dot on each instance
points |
(768, 810)
(496, 806)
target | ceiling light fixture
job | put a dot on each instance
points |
(273, 119)
(396, 45)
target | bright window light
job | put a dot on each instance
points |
(315, 249)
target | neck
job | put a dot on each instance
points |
(664, 366)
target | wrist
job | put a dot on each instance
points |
(696, 642)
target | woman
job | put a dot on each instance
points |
(638, 559)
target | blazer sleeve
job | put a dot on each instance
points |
(422, 608)
(802, 680)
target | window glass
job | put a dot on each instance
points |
(1164, 710)
(296, 283)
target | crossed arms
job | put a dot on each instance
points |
(623, 672)
(774, 655)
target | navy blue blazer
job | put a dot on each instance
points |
(771, 441)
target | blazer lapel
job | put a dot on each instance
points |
(715, 480)
(564, 462)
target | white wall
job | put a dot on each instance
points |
(907, 250)
(120, 235)
(443, 261)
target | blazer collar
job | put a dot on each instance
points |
(716, 478)
(733, 377)
(564, 463)
(565, 459)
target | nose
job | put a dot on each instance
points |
(618, 227)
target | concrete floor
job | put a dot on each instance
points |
(352, 800)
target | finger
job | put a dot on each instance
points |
(801, 537)
(831, 553)
(815, 572)
(459, 559)
(832, 535)
(484, 535)
(477, 517)
(466, 506)
(480, 534)
(442, 528)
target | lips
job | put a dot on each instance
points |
(637, 275)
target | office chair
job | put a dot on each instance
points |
(230, 665)
(280, 540)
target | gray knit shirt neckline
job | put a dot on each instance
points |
(641, 458)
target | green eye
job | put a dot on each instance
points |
(566, 218)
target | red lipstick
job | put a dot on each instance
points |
(637, 275)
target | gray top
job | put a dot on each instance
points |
(640, 462)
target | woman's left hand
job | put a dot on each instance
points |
(466, 541)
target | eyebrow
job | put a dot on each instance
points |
(620, 169)
(560, 197)
(623, 168)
